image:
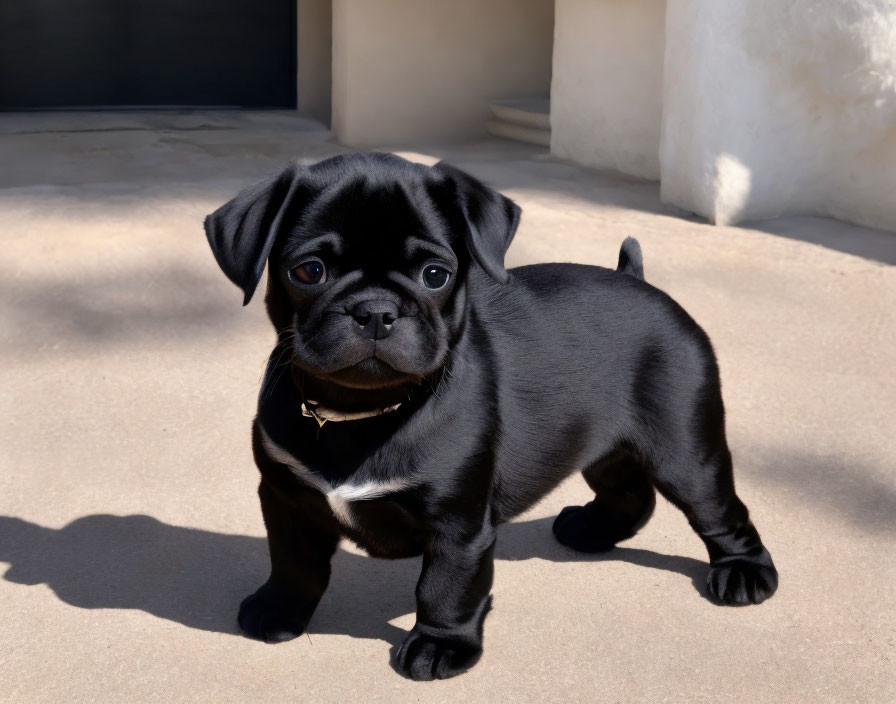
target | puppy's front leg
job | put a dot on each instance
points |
(302, 538)
(452, 601)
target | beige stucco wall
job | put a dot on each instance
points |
(743, 110)
(777, 107)
(314, 79)
(406, 70)
(607, 88)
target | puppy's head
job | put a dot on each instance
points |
(369, 257)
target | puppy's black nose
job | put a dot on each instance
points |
(375, 317)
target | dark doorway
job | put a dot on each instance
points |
(147, 53)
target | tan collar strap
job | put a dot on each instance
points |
(312, 409)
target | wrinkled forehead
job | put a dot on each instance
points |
(374, 212)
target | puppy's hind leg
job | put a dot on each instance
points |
(701, 484)
(624, 501)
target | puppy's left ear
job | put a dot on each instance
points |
(491, 219)
(242, 232)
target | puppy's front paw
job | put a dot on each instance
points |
(742, 582)
(423, 657)
(270, 615)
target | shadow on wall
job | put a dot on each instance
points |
(198, 577)
(841, 236)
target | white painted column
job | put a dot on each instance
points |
(774, 107)
(606, 91)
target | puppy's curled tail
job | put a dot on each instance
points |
(630, 261)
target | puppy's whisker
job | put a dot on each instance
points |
(435, 391)
(280, 365)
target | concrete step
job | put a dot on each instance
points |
(519, 133)
(527, 112)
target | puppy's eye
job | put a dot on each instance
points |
(311, 272)
(435, 276)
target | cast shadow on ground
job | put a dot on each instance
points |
(132, 307)
(858, 240)
(197, 577)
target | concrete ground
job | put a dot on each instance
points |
(128, 515)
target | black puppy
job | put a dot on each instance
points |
(419, 395)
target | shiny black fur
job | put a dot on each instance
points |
(509, 382)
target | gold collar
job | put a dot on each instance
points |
(312, 409)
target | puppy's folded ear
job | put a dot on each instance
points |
(491, 219)
(242, 231)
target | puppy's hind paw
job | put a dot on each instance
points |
(578, 528)
(423, 657)
(269, 615)
(741, 582)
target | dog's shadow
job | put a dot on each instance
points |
(198, 577)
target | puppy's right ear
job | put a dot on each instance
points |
(242, 232)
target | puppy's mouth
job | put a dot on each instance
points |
(371, 373)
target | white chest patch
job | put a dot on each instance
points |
(338, 496)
